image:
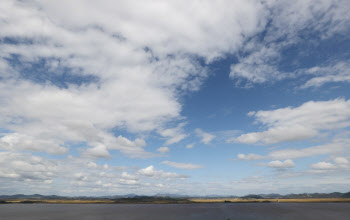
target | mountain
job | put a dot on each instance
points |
(169, 196)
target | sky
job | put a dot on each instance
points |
(174, 97)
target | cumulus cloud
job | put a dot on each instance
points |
(341, 160)
(98, 151)
(163, 150)
(16, 142)
(107, 69)
(323, 166)
(21, 167)
(206, 138)
(292, 124)
(339, 163)
(133, 149)
(79, 72)
(153, 173)
(186, 166)
(281, 164)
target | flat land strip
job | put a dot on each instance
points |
(238, 200)
(103, 201)
(179, 201)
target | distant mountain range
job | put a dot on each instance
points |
(250, 196)
(299, 196)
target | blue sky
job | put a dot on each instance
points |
(196, 98)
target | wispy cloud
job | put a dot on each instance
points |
(206, 138)
(292, 124)
(186, 166)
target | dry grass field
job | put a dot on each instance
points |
(63, 201)
(238, 200)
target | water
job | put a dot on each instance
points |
(175, 211)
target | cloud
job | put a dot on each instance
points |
(189, 146)
(309, 120)
(186, 166)
(17, 142)
(163, 150)
(21, 167)
(82, 73)
(281, 164)
(98, 151)
(107, 69)
(206, 138)
(336, 147)
(258, 67)
(341, 160)
(174, 135)
(338, 72)
(153, 173)
(340, 163)
(323, 166)
(288, 22)
(250, 157)
(132, 149)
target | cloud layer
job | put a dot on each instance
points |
(86, 87)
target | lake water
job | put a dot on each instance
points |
(175, 211)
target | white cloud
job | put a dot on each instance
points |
(281, 164)
(16, 141)
(163, 150)
(129, 66)
(340, 164)
(139, 72)
(98, 151)
(338, 72)
(249, 157)
(206, 138)
(186, 166)
(323, 166)
(258, 67)
(174, 135)
(287, 21)
(292, 124)
(21, 167)
(153, 173)
(131, 62)
(336, 147)
(189, 146)
(341, 160)
(130, 148)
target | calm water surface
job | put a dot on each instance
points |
(175, 211)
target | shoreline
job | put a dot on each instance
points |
(179, 201)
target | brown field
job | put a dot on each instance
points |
(62, 201)
(49, 201)
(238, 200)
